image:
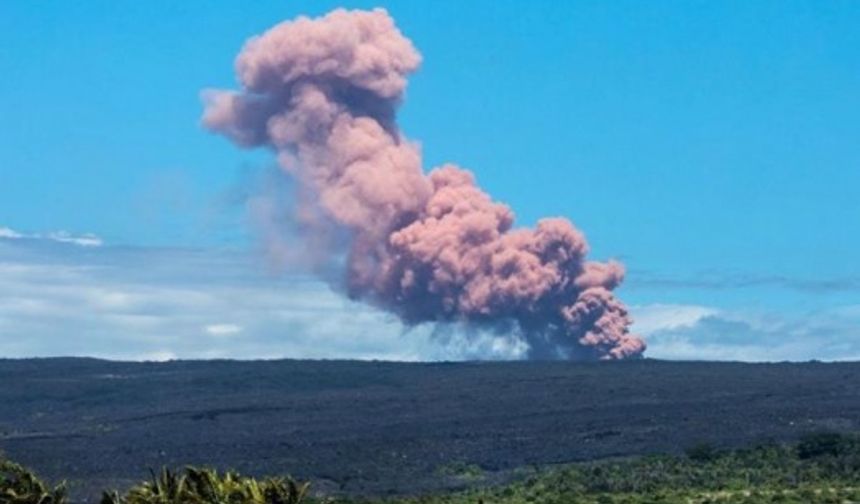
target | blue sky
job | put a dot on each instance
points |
(711, 146)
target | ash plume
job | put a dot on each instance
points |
(323, 94)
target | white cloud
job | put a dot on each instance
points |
(222, 329)
(649, 319)
(10, 234)
(58, 298)
(700, 333)
(154, 304)
(83, 240)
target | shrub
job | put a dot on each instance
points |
(206, 486)
(20, 486)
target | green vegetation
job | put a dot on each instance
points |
(205, 486)
(20, 486)
(189, 486)
(820, 469)
(461, 470)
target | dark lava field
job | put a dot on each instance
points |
(373, 428)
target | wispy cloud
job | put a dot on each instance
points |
(725, 280)
(57, 298)
(699, 333)
(87, 240)
(222, 329)
(83, 240)
(9, 234)
(661, 317)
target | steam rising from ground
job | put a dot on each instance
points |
(323, 94)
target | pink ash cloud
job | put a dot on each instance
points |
(429, 247)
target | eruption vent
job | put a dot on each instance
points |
(323, 94)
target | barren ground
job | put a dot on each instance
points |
(371, 428)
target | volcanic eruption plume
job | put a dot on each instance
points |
(323, 94)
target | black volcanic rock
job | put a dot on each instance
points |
(380, 428)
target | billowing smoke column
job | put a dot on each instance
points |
(323, 93)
